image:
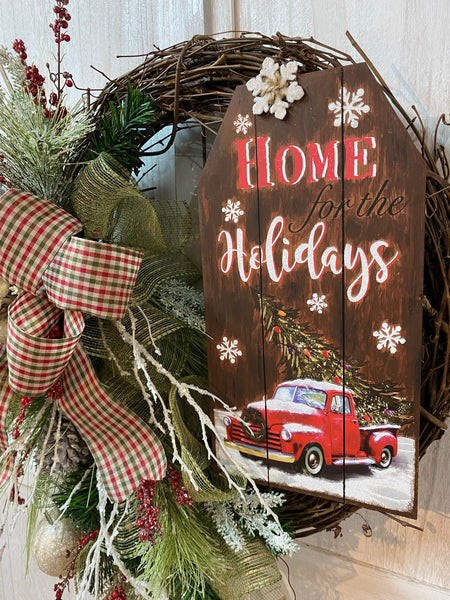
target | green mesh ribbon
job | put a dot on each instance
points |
(253, 574)
(157, 269)
(199, 485)
(155, 329)
(105, 201)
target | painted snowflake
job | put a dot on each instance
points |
(389, 337)
(317, 303)
(232, 211)
(242, 124)
(349, 107)
(275, 88)
(229, 350)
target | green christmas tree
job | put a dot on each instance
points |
(305, 354)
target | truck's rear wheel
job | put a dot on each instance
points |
(312, 460)
(386, 458)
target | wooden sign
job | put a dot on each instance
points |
(312, 241)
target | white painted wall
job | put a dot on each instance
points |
(409, 42)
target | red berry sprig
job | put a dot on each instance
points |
(19, 47)
(61, 22)
(147, 522)
(118, 593)
(34, 81)
(174, 478)
(12, 496)
(55, 392)
(85, 539)
(25, 402)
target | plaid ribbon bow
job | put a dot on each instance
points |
(63, 276)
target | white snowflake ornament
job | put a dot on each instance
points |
(317, 303)
(389, 337)
(275, 88)
(242, 123)
(232, 211)
(229, 350)
(348, 108)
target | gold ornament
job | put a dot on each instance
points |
(54, 545)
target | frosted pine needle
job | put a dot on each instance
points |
(248, 514)
(184, 302)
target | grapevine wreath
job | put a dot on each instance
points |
(195, 80)
(100, 308)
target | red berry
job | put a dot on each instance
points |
(69, 83)
(64, 24)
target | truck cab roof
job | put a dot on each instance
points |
(318, 385)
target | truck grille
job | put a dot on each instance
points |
(273, 439)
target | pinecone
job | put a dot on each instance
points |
(71, 453)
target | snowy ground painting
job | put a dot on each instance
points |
(391, 488)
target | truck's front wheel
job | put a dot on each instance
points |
(312, 460)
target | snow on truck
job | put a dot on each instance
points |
(311, 423)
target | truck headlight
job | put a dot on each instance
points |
(227, 421)
(286, 435)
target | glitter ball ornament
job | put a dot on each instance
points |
(54, 544)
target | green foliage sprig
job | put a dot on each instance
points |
(38, 152)
(124, 129)
(186, 555)
(83, 505)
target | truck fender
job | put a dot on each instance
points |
(379, 440)
(305, 436)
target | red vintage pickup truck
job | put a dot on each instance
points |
(304, 423)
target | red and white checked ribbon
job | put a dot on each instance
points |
(5, 396)
(63, 276)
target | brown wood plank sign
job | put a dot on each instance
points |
(312, 239)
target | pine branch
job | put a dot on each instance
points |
(125, 129)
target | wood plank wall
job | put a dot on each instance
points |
(409, 43)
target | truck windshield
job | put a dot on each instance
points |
(314, 398)
(284, 393)
(298, 395)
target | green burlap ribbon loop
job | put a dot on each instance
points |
(253, 574)
(105, 200)
(199, 483)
